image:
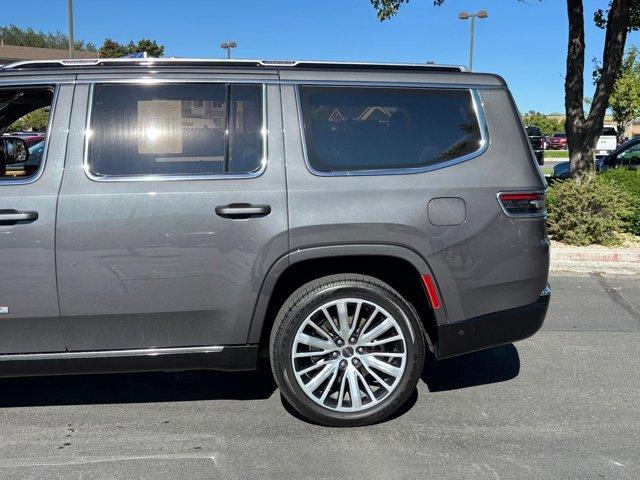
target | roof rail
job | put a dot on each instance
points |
(203, 62)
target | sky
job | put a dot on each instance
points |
(524, 41)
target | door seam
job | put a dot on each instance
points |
(55, 226)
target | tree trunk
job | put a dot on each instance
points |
(583, 133)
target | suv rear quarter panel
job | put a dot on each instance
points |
(490, 262)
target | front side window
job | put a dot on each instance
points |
(175, 129)
(353, 128)
(24, 119)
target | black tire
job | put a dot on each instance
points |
(308, 298)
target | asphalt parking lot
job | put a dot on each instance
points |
(561, 405)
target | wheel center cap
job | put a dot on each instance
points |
(347, 352)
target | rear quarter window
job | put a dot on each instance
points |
(349, 129)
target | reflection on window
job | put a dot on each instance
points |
(185, 129)
(350, 129)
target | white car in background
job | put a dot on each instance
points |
(608, 141)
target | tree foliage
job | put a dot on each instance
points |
(36, 121)
(624, 101)
(546, 124)
(583, 130)
(28, 37)
(112, 49)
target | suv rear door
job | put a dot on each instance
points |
(29, 313)
(169, 251)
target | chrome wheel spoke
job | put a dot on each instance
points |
(375, 343)
(385, 325)
(314, 342)
(343, 383)
(366, 385)
(320, 377)
(327, 389)
(343, 319)
(376, 376)
(369, 320)
(354, 388)
(330, 320)
(311, 354)
(386, 354)
(355, 319)
(319, 330)
(384, 367)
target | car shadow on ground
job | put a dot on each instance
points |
(137, 388)
(497, 364)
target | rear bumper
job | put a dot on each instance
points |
(492, 329)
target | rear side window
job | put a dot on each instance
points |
(353, 128)
(175, 129)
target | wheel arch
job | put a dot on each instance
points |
(398, 266)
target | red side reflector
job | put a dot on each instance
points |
(432, 292)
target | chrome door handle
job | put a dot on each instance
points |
(242, 210)
(14, 216)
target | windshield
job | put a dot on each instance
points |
(609, 131)
(559, 135)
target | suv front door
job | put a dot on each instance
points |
(29, 313)
(173, 257)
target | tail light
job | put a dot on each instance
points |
(522, 204)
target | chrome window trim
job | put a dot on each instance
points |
(100, 78)
(476, 102)
(159, 178)
(111, 353)
(390, 84)
(45, 150)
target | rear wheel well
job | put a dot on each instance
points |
(401, 275)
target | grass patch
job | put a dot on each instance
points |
(556, 154)
(546, 171)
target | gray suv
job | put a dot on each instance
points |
(343, 219)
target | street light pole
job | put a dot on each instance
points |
(228, 46)
(70, 22)
(472, 16)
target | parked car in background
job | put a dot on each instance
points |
(626, 155)
(31, 165)
(537, 141)
(608, 141)
(31, 138)
(200, 214)
(557, 141)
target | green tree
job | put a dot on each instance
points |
(546, 125)
(624, 101)
(583, 130)
(36, 121)
(113, 49)
(28, 37)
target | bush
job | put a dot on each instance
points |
(627, 182)
(586, 213)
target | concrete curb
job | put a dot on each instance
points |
(585, 259)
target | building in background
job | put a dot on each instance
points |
(13, 53)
